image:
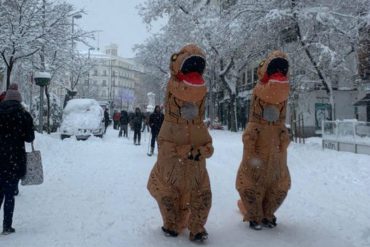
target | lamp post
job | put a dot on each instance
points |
(42, 79)
(75, 16)
(88, 75)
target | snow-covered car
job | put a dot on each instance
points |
(82, 118)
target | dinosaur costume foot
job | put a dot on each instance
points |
(169, 233)
(201, 236)
(255, 225)
(269, 223)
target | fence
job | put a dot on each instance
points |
(348, 135)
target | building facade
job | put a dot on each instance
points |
(112, 79)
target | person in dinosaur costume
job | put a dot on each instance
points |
(263, 178)
(179, 179)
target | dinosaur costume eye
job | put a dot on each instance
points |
(174, 57)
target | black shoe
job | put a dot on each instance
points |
(8, 230)
(255, 226)
(201, 236)
(169, 233)
(269, 223)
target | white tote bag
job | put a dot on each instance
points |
(34, 172)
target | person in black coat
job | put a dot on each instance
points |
(106, 119)
(16, 127)
(124, 121)
(137, 122)
(155, 123)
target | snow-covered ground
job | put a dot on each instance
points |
(95, 195)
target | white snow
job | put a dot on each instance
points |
(95, 194)
(42, 75)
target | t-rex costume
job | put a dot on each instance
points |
(263, 178)
(179, 180)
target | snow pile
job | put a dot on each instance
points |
(82, 114)
(95, 195)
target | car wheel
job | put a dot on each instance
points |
(64, 136)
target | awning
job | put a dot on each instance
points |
(365, 101)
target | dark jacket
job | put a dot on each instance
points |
(16, 127)
(155, 121)
(137, 120)
(106, 118)
(124, 118)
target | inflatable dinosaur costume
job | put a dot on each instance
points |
(179, 180)
(263, 178)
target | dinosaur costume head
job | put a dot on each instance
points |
(187, 67)
(186, 89)
(273, 86)
(272, 91)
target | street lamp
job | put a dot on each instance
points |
(42, 79)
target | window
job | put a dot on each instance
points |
(104, 84)
(104, 73)
(95, 72)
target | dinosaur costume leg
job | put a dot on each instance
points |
(276, 194)
(251, 200)
(200, 205)
(167, 200)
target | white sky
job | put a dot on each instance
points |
(118, 20)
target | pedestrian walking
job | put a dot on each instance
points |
(124, 121)
(137, 122)
(16, 127)
(155, 123)
(106, 119)
(116, 120)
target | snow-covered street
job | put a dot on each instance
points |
(95, 194)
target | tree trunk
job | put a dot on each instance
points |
(9, 70)
(232, 114)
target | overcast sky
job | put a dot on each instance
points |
(118, 20)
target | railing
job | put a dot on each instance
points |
(346, 135)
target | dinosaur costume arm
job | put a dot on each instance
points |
(250, 136)
(284, 139)
(169, 149)
(206, 151)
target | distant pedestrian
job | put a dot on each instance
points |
(116, 118)
(124, 121)
(155, 123)
(137, 122)
(145, 122)
(16, 127)
(106, 119)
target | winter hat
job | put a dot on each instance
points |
(13, 93)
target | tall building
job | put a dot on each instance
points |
(112, 79)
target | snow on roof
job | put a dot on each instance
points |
(42, 75)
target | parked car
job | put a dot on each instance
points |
(82, 118)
